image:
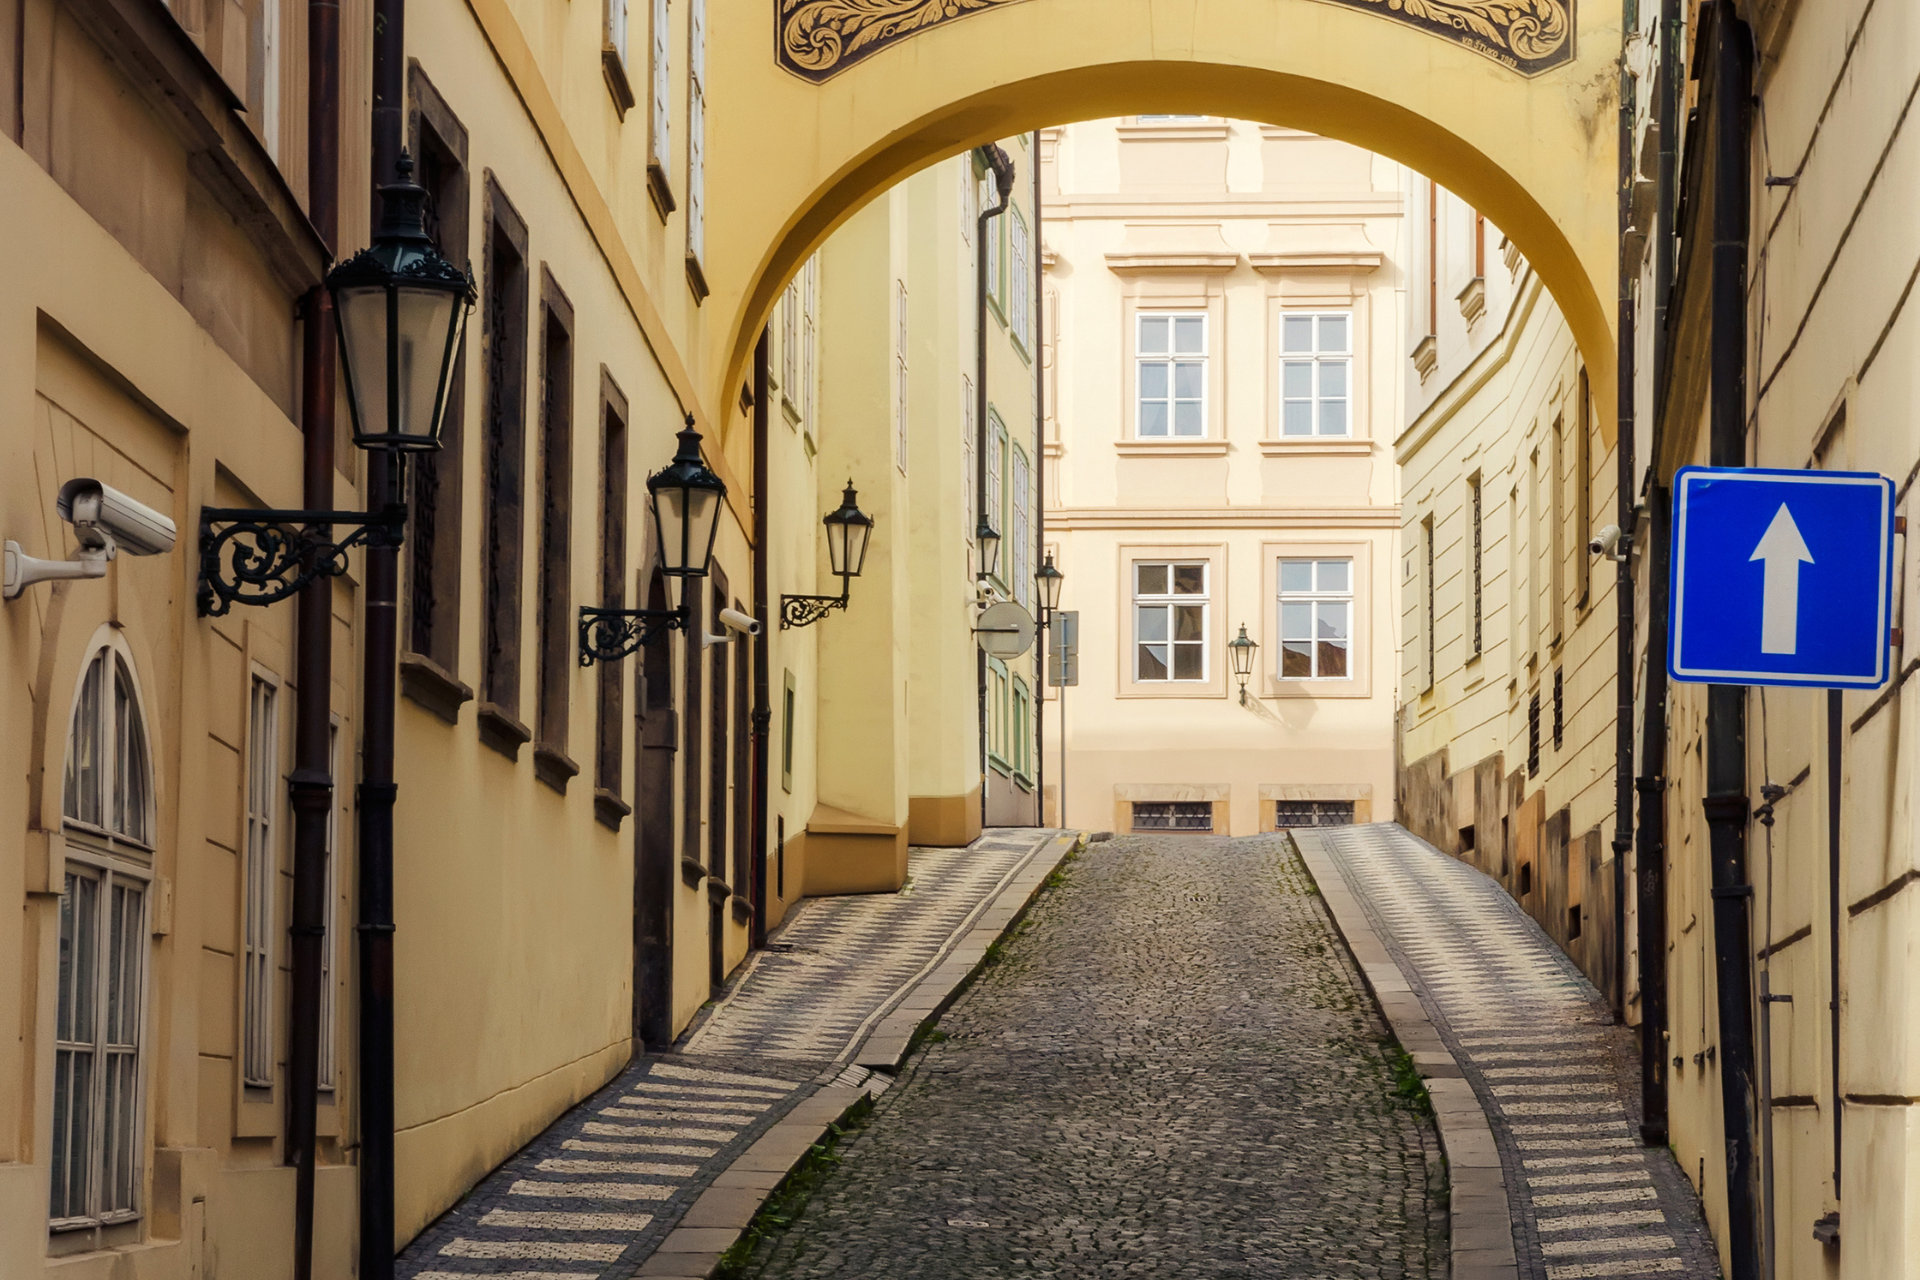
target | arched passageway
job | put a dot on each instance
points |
(883, 90)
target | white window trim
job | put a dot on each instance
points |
(697, 133)
(1316, 359)
(1019, 539)
(1171, 359)
(660, 108)
(1167, 601)
(901, 404)
(1313, 597)
(1020, 281)
(259, 883)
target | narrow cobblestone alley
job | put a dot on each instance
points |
(1172, 1070)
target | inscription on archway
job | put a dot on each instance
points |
(818, 39)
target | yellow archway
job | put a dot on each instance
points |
(792, 157)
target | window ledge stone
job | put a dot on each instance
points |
(1172, 447)
(1426, 356)
(502, 730)
(554, 767)
(1332, 446)
(609, 810)
(430, 685)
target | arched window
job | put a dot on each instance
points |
(109, 827)
(109, 772)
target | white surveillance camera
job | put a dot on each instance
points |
(106, 522)
(1605, 541)
(105, 519)
(734, 620)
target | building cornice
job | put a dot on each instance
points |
(1191, 520)
(1306, 207)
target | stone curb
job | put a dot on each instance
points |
(1481, 1223)
(719, 1217)
(885, 1047)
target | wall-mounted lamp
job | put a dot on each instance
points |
(687, 497)
(848, 530)
(105, 522)
(1240, 651)
(1048, 579)
(987, 538)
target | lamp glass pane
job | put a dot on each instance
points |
(670, 518)
(424, 317)
(363, 330)
(857, 537)
(837, 546)
(703, 522)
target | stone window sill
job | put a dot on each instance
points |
(1307, 446)
(1172, 447)
(432, 686)
(502, 730)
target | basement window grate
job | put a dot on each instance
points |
(1173, 815)
(1533, 737)
(1312, 813)
(1559, 709)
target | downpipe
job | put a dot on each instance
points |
(1623, 585)
(1000, 165)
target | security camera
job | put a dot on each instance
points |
(734, 620)
(105, 521)
(1604, 542)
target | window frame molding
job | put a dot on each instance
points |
(1215, 554)
(1267, 683)
(1280, 357)
(1186, 292)
(1297, 291)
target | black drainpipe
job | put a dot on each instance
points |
(762, 705)
(1726, 802)
(311, 784)
(1001, 166)
(1039, 304)
(1651, 853)
(1623, 589)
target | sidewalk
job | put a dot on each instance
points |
(1550, 1182)
(656, 1174)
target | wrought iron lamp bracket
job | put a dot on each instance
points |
(608, 635)
(263, 555)
(804, 611)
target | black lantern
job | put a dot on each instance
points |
(1240, 655)
(401, 308)
(987, 538)
(686, 508)
(1049, 579)
(848, 530)
(686, 515)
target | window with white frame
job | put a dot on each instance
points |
(969, 456)
(1316, 374)
(1020, 541)
(809, 312)
(1020, 287)
(1316, 619)
(790, 345)
(617, 26)
(329, 918)
(260, 885)
(697, 132)
(996, 481)
(660, 107)
(265, 105)
(989, 196)
(107, 805)
(1022, 729)
(998, 711)
(900, 407)
(1171, 355)
(1170, 602)
(969, 197)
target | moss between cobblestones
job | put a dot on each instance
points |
(1407, 1083)
(791, 1196)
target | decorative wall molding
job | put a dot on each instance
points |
(818, 39)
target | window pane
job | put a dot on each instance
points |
(80, 1136)
(86, 951)
(1190, 335)
(84, 773)
(1189, 380)
(1153, 623)
(1296, 659)
(1298, 420)
(62, 1107)
(1153, 662)
(1187, 420)
(1333, 333)
(1296, 575)
(1153, 380)
(1189, 662)
(1296, 621)
(131, 787)
(1153, 334)
(1334, 574)
(1333, 659)
(1189, 579)
(1150, 579)
(1297, 333)
(1190, 622)
(1153, 417)
(1333, 417)
(1297, 379)
(1333, 621)
(1333, 378)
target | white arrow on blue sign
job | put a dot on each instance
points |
(1781, 577)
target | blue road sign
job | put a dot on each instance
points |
(1781, 577)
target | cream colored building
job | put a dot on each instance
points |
(1224, 311)
(1505, 732)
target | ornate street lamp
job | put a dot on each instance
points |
(401, 309)
(1049, 579)
(687, 497)
(848, 530)
(1240, 655)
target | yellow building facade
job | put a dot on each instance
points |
(1224, 318)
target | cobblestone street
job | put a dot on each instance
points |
(1172, 1071)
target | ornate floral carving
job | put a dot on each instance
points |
(818, 39)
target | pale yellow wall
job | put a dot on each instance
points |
(1244, 223)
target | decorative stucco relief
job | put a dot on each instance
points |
(818, 39)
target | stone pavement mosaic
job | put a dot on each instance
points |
(1173, 1070)
(1559, 1080)
(593, 1196)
